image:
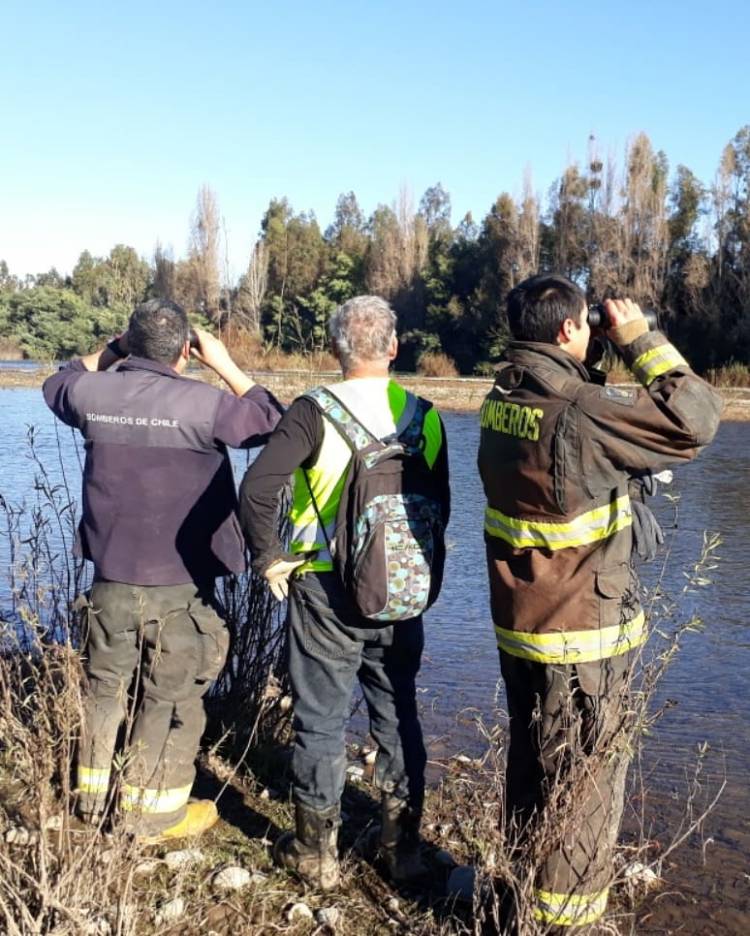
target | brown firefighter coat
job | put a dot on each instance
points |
(556, 453)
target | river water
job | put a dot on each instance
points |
(459, 679)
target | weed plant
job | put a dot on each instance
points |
(432, 364)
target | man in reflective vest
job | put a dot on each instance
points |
(556, 454)
(330, 644)
(159, 525)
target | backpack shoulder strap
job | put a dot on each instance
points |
(354, 432)
(412, 436)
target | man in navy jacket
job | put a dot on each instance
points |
(159, 523)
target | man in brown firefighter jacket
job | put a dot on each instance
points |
(556, 455)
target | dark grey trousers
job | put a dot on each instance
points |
(152, 653)
(566, 768)
(329, 647)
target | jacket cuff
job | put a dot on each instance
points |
(264, 562)
(650, 356)
(627, 333)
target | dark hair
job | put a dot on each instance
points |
(539, 305)
(158, 330)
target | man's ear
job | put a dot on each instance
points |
(393, 349)
(567, 330)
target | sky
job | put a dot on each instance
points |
(112, 115)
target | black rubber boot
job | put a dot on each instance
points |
(400, 848)
(311, 851)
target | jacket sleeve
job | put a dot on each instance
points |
(58, 393)
(297, 438)
(670, 419)
(246, 421)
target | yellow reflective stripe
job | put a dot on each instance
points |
(652, 364)
(142, 799)
(569, 909)
(574, 646)
(590, 527)
(93, 779)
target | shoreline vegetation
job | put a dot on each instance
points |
(451, 394)
(61, 878)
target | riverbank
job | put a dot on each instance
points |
(102, 882)
(451, 394)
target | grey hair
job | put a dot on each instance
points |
(158, 330)
(361, 330)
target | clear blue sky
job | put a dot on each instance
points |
(112, 115)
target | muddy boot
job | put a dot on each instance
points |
(311, 851)
(400, 847)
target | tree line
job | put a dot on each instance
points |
(668, 240)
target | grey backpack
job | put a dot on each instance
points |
(388, 547)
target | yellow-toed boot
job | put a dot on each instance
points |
(199, 817)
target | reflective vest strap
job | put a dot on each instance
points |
(589, 527)
(142, 799)
(347, 425)
(93, 779)
(569, 909)
(657, 361)
(574, 646)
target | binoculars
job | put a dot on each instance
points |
(598, 317)
(194, 341)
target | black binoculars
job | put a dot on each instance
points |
(194, 340)
(598, 317)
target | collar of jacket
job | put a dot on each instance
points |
(144, 364)
(529, 353)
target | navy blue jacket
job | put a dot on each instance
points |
(159, 500)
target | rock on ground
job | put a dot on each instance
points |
(299, 911)
(183, 857)
(170, 911)
(232, 878)
(328, 916)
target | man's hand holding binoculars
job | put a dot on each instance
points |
(211, 352)
(620, 320)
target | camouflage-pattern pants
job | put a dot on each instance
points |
(152, 653)
(567, 765)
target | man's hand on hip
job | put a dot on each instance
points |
(278, 573)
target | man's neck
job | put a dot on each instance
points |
(366, 370)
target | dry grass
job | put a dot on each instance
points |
(434, 364)
(10, 351)
(617, 373)
(252, 355)
(734, 374)
(62, 879)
